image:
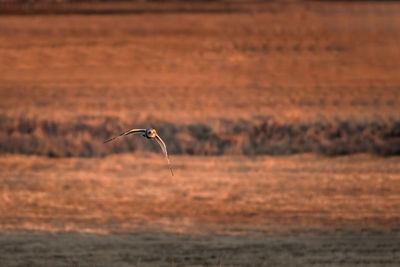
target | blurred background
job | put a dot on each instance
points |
(281, 118)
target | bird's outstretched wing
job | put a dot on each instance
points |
(164, 150)
(133, 131)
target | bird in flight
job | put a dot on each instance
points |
(149, 134)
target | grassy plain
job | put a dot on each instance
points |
(290, 61)
(234, 211)
(226, 194)
(242, 81)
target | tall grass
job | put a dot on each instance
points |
(84, 137)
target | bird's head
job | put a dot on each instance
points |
(151, 133)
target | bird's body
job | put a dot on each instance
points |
(149, 134)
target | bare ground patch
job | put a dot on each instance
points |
(307, 247)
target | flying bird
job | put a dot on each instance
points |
(149, 134)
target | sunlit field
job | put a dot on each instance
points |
(282, 122)
(127, 209)
(127, 193)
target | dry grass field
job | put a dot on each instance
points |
(124, 193)
(325, 81)
(127, 210)
(282, 120)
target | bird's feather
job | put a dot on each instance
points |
(132, 131)
(164, 150)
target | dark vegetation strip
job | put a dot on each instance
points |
(84, 137)
(16, 7)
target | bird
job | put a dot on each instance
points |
(149, 134)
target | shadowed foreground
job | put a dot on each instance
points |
(310, 247)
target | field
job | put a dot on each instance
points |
(127, 209)
(282, 121)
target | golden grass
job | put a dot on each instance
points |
(295, 62)
(282, 79)
(218, 194)
(324, 81)
(244, 78)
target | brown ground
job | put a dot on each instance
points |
(308, 248)
(219, 194)
(293, 62)
(230, 210)
(201, 73)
